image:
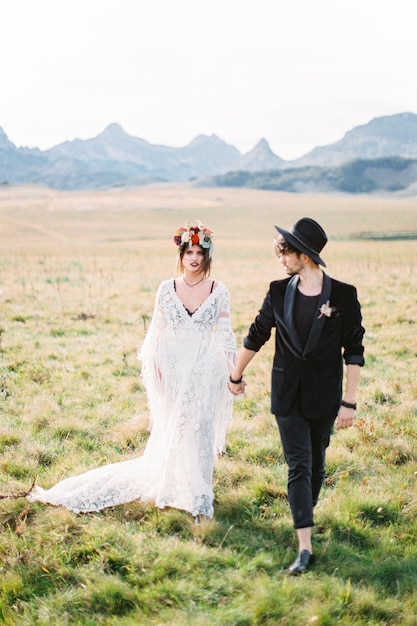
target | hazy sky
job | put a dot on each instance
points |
(299, 73)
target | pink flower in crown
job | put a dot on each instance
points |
(326, 310)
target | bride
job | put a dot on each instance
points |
(187, 355)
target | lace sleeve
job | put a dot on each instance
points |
(224, 328)
(151, 355)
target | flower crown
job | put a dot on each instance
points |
(198, 235)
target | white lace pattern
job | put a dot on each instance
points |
(185, 367)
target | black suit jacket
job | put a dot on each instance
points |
(309, 377)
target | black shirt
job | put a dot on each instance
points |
(304, 311)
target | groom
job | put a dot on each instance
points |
(318, 325)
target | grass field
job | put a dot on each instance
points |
(78, 278)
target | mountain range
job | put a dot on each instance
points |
(378, 156)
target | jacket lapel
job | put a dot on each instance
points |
(318, 321)
(289, 303)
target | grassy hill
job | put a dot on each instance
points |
(372, 176)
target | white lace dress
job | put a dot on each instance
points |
(185, 367)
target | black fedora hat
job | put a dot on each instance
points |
(306, 236)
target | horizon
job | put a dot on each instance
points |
(121, 127)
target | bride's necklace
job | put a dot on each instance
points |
(191, 285)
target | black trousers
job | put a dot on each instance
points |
(304, 443)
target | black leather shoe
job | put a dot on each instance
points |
(301, 563)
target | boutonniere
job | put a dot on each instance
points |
(326, 310)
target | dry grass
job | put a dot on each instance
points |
(78, 278)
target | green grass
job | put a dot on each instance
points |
(77, 292)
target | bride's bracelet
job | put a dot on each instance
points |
(235, 382)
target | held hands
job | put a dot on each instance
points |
(236, 386)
